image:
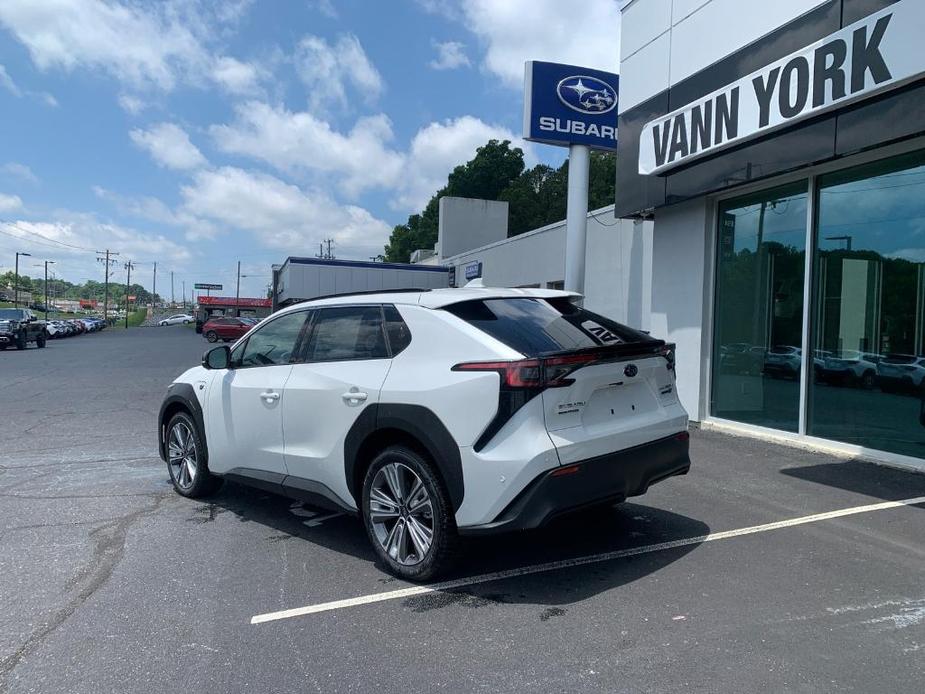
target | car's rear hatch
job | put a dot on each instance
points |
(604, 387)
(624, 397)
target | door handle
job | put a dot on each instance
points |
(354, 395)
(270, 397)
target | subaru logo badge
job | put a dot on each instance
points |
(587, 94)
(630, 371)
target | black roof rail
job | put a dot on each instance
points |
(407, 290)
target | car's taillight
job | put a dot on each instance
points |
(533, 374)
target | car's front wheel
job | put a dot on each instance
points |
(407, 515)
(187, 459)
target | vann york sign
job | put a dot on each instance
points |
(880, 52)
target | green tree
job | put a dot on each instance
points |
(492, 169)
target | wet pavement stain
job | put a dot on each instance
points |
(551, 612)
(436, 601)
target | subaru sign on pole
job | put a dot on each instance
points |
(568, 105)
(574, 107)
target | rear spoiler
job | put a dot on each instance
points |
(621, 351)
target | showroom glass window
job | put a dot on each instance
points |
(869, 307)
(759, 308)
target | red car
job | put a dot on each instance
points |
(226, 329)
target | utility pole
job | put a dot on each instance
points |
(46, 287)
(154, 287)
(128, 284)
(107, 261)
(16, 280)
(184, 295)
(172, 302)
(237, 293)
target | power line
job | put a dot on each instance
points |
(46, 238)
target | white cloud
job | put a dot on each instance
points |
(325, 7)
(67, 236)
(293, 142)
(139, 46)
(437, 149)
(450, 55)
(7, 82)
(326, 68)
(131, 104)
(154, 210)
(515, 31)
(9, 203)
(21, 171)
(169, 145)
(237, 77)
(281, 215)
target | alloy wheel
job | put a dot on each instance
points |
(401, 514)
(183, 455)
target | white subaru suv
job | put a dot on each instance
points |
(431, 414)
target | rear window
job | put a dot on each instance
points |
(537, 326)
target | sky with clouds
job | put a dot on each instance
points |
(196, 133)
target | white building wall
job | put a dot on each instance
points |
(681, 248)
(617, 266)
(467, 223)
(662, 42)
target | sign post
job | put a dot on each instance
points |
(571, 106)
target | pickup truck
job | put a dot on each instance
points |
(19, 327)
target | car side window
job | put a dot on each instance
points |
(396, 329)
(275, 343)
(347, 332)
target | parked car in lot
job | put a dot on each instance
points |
(783, 361)
(901, 372)
(19, 327)
(741, 358)
(432, 414)
(177, 319)
(850, 367)
(226, 329)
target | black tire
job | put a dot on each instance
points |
(40, 341)
(204, 482)
(21, 341)
(212, 336)
(868, 379)
(443, 550)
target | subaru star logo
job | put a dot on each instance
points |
(631, 371)
(587, 94)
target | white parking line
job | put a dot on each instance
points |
(578, 561)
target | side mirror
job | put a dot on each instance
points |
(217, 358)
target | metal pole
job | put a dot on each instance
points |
(184, 295)
(154, 288)
(237, 292)
(128, 284)
(106, 291)
(576, 226)
(16, 279)
(46, 291)
(172, 302)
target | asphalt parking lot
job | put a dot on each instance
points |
(764, 569)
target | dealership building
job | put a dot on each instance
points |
(779, 148)
(769, 217)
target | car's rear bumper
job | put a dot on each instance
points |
(612, 477)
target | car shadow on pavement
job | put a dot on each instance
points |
(587, 533)
(862, 477)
